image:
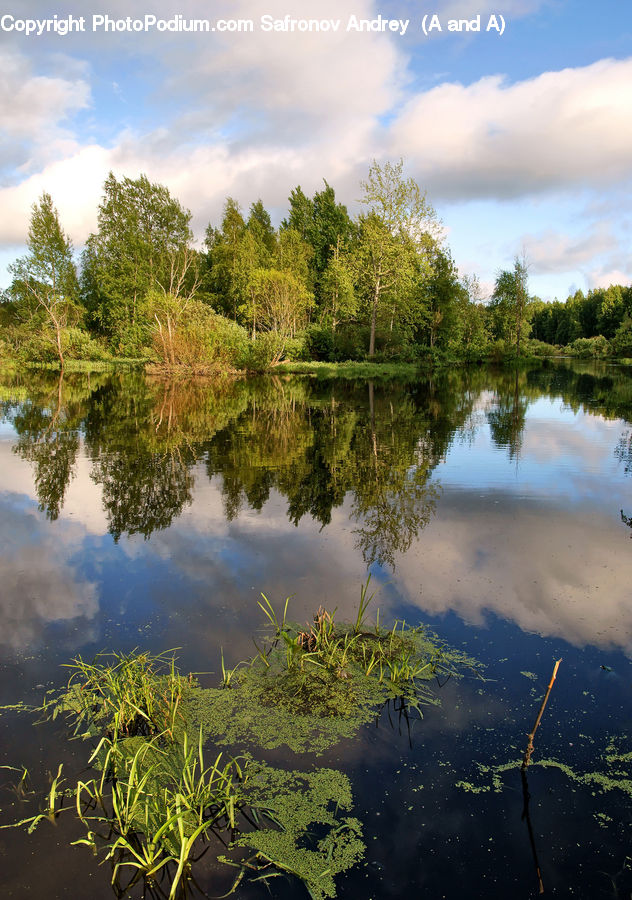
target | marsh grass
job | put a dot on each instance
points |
(128, 694)
(310, 686)
(323, 668)
(154, 798)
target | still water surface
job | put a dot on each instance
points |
(492, 505)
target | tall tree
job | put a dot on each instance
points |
(260, 224)
(46, 276)
(223, 247)
(394, 237)
(142, 232)
(509, 304)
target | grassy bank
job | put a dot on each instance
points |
(350, 369)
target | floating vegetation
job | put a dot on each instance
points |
(310, 686)
(615, 773)
(154, 797)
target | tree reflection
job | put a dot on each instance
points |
(48, 437)
(507, 420)
(317, 445)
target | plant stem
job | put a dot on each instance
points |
(529, 750)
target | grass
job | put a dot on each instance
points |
(89, 365)
(310, 686)
(350, 369)
(154, 796)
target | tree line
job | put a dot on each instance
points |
(321, 286)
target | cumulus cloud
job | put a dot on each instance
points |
(479, 560)
(499, 140)
(554, 251)
(605, 277)
(33, 108)
(40, 585)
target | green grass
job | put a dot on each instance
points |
(157, 791)
(349, 369)
(89, 365)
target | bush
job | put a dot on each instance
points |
(38, 349)
(295, 349)
(319, 343)
(621, 343)
(497, 350)
(78, 344)
(190, 334)
(264, 351)
(132, 340)
(586, 347)
(540, 348)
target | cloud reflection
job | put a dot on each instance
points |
(40, 584)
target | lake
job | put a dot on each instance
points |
(493, 505)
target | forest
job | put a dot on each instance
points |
(323, 286)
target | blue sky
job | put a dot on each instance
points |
(523, 140)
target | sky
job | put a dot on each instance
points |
(518, 126)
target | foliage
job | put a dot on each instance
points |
(188, 334)
(156, 799)
(78, 344)
(585, 347)
(391, 251)
(264, 352)
(509, 306)
(309, 686)
(141, 245)
(45, 280)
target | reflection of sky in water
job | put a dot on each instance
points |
(517, 551)
(562, 455)
(536, 540)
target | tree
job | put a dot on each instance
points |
(46, 276)
(260, 224)
(142, 231)
(223, 254)
(509, 304)
(394, 237)
(338, 299)
(281, 302)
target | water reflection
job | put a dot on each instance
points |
(41, 584)
(483, 491)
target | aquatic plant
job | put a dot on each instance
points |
(155, 802)
(311, 685)
(154, 795)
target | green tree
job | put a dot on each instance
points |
(224, 252)
(260, 224)
(509, 305)
(301, 215)
(394, 239)
(46, 279)
(142, 238)
(338, 298)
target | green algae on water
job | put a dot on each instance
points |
(310, 687)
(307, 837)
(162, 792)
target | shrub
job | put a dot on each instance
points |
(264, 351)
(78, 344)
(190, 334)
(621, 343)
(585, 347)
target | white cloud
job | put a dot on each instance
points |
(494, 139)
(553, 251)
(597, 279)
(32, 108)
(483, 563)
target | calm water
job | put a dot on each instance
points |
(494, 506)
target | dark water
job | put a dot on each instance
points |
(494, 506)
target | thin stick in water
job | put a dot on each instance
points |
(529, 750)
